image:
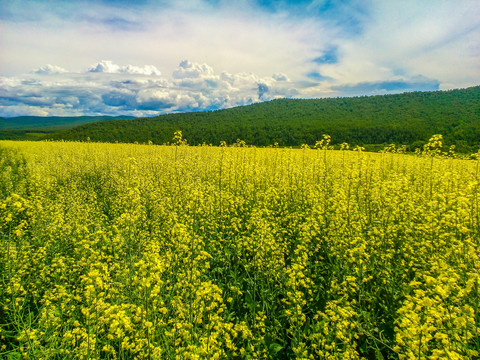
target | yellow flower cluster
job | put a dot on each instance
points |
(127, 251)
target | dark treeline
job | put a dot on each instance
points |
(408, 119)
(23, 134)
(50, 123)
(36, 127)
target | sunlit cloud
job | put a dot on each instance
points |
(50, 69)
(106, 66)
(149, 57)
(111, 89)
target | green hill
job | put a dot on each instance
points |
(30, 127)
(409, 118)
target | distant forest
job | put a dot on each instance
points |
(372, 121)
(35, 127)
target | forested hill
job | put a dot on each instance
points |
(409, 118)
(34, 127)
(48, 123)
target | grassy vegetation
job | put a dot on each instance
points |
(36, 127)
(123, 251)
(23, 134)
(409, 119)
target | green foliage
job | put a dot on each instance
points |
(375, 121)
(23, 134)
(33, 127)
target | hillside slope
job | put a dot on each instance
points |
(409, 118)
(28, 127)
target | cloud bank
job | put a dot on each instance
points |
(108, 88)
(238, 52)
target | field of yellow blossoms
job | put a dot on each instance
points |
(125, 251)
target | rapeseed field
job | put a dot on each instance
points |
(125, 251)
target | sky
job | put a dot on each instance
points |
(150, 57)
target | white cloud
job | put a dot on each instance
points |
(155, 99)
(401, 40)
(327, 49)
(50, 69)
(189, 70)
(234, 36)
(107, 66)
(104, 66)
(109, 89)
(280, 77)
(146, 70)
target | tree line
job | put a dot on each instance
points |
(371, 121)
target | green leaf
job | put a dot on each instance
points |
(274, 348)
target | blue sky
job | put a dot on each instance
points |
(147, 57)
